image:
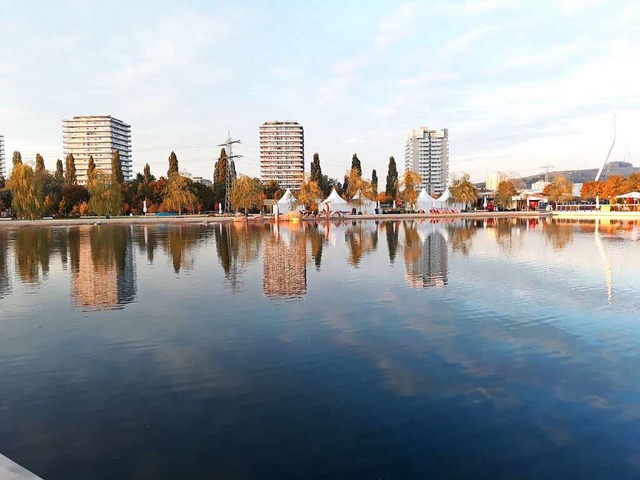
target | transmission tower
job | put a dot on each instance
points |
(228, 145)
(546, 173)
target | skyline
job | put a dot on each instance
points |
(518, 86)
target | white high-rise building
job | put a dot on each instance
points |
(496, 178)
(427, 152)
(99, 136)
(3, 163)
(282, 153)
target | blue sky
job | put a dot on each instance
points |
(518, 84)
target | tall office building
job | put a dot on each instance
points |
(427, 152)
(99, 136)
(3, 163)
(282, 153)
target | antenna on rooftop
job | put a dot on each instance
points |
(228, 177)
(546, 173)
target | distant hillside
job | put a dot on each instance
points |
(624, 169)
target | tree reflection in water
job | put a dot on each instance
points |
(32, 249)
(461, 235)
(362, 238)
(392, 230)
(180, 244)
(5, 278)
(560, 235)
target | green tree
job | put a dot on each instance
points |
(39, 163)
(148, 178)
(220, 176)
(411, 188)
(116, 167)
(355, 163)
(246, 193)
(178, 194)
(59, 171)
(72, 195)
(463, 191)
(91, 169)
(106, 195)
(173, 164)
(70, 172)
(374, 182)
(271, 189)
(17, 158)
(504, 194)
(27, 192)
(391, 188)
(204, 196)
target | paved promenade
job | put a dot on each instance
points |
(12, 471)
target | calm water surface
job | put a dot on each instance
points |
(472, 349)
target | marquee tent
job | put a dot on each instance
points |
(365, 205)
(286, 203)
(335, 203)
(425, 201)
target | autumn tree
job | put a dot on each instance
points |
(116, 167)
(70, 171)
(178, 194)
(560, 190)
(27, 192)
(463, 191)
(173, 164)
(147, 174)
(632, 184)
(411, 181)
(246, 193)
(17, 158)
(591, 190)
(391, 188)
(106, 194)
(309, 194)
(505, 193)
(59, 171)
(272, 190)
(613, 186)
(91, 169)
(357, 188)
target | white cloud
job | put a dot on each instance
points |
(474, 7)
(400, 23)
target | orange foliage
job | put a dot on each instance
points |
(613, 186)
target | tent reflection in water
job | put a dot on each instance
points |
(287, 202)
(335, 203)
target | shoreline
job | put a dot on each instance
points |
(204, 219)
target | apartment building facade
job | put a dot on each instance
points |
(282, 153)
(427, 152)
(98, 136)
(496, 178)
(3, 162)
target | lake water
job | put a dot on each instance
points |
(469, 349)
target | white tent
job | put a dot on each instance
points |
(335, 202)
(425, 201)
(634, 195)
(286, 203)
(365, 205)
(443, 202)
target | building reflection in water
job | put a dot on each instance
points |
(103, 272)
(285, 262)
(5, 278)
(426, 257)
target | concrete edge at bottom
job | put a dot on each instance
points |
(10, 470)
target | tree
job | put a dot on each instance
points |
(220, 177)
(591, 189)
(70, 171)
(355, 183)
(345, 185)
(59, 171)
(505, 193)
(91, 169)
(178, 194)
(316, 173)
(204, 196)
(27, 192)
(632, 184)
(271, 189)
(173, 164)
(116, 167)
(355, 163)
(106, 194)
(463, 191)
(72, 196)
(613, 186)
(148, 178)
(374, 181)
(560, 190)
(309, 194)
(411, 181)
(246, 193)
(392, 179)
(39, 163)
(17, 158)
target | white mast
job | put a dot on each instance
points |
(606, 160)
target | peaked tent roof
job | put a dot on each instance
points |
(287, 198)
(445, 196)
(334, 198)
(424, 196)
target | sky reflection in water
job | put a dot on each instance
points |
(485, 349)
